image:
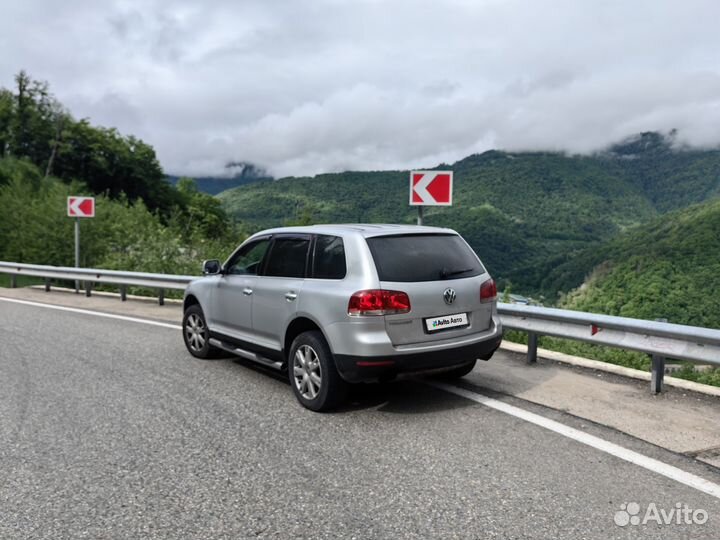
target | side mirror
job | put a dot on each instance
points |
(211, 267)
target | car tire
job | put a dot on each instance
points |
(196, 334)
(458, 372)
(313, 376)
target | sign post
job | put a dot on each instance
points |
(77, 250)
(430, 188)
(78, 207)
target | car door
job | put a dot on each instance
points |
(277, 290)
(232, 298)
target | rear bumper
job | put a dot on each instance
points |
(354, 368)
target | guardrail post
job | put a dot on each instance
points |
(658, 374)
(88, 288)
(13, 281)
(123, 293)
(658, 370)
(532, 348)
(161, 297)
(47, 284)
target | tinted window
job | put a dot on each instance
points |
(423, 257)
(247, 260)
(329, 258)
(288, 257)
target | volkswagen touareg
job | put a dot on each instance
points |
(339, 304)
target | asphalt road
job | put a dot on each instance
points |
(110, 429)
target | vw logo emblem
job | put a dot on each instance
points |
(449, 296)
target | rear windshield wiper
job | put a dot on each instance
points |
(444, 274)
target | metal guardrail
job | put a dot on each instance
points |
(659, 339)
(90, 276)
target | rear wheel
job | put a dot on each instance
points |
(196, 334)
(459, 371)
(313, 376)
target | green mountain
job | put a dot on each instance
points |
(668, 267)
(671, 176)
(525, 213)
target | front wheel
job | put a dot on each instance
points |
(196, 334)
(313, 376)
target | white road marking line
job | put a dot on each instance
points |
(95, 313)
(613, 449)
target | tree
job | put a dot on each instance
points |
(33, 121)
(7, 110)
(34, 125)
(202, 215)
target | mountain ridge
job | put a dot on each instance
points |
(521, 211)
(239, 174)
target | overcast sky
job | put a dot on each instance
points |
(302, 87)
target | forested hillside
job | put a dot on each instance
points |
(670, 175)
(38, 128)
(513, 209)
(524, 213)
(124, 235)
(668, 268)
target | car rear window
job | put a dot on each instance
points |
(423, 257)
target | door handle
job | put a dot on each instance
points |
(247, 291)
(290, 296)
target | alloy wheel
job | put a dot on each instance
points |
(195, 332)
(307, 372)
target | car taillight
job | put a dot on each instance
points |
(378, 302)
(488, 291)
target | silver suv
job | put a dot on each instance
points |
(340, 304)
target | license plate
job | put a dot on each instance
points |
(447, 321)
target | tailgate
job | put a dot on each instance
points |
(439, 310)
(442, 276)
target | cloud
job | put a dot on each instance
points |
(308, 87)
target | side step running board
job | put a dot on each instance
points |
(246, 354)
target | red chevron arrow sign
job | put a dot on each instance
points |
(81, 206)
(431, 188)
